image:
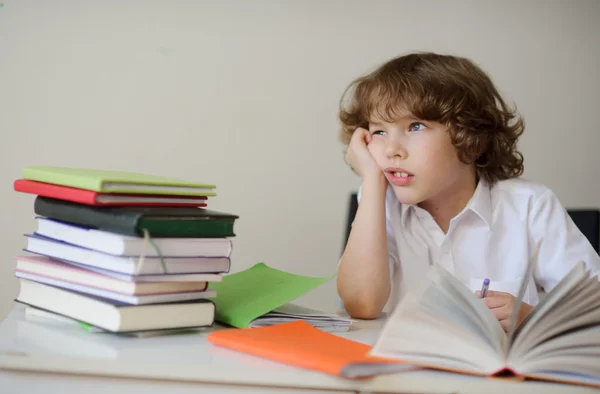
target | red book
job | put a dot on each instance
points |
(90, 197)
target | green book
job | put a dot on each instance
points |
(244, 296)
(159, 221)
(105, 181)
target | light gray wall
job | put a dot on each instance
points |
(244, 95)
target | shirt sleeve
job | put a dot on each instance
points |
(557, 243)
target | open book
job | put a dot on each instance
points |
(447, 327)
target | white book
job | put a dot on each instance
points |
(115, 316)
(445, 326)
(49, 326)
(191, 277)
(52, 269)
(125, 245)
(131, 265)
(120, 297)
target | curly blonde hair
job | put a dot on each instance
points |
(446, 89)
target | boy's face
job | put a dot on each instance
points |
(419, 160)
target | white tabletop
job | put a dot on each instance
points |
(47, 348)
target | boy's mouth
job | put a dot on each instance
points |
(399, 176)
(398, 172)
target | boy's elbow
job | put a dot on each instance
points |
(363, 310)
(366, 306)
(365, 314)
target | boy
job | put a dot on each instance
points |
(435, 145)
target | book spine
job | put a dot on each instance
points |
(103, 219)
(55, 191)
(183, 227)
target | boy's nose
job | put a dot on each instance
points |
(395, 147)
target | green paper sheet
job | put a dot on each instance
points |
(246, 295)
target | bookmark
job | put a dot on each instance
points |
(140, 263)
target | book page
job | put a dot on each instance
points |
(582, 341)
(445, 326)
(527, 335)
(518, 300)
(567, 284)
(563, 329)
(576, 354)
(584, 363)
(579, 309)
(480, 314)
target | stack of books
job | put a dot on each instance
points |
(123, 252)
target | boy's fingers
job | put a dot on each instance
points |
(502, 313)
(495, 293)
(489, 293)
(495, 301)
(361, 132)
(359, 137)
(500, 304)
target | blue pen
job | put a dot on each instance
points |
(484, 288)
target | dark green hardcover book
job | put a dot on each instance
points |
(158, 221)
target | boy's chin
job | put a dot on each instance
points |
(407, 196)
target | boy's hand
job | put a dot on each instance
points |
(502, 305)
(358, 156)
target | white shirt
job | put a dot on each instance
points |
(494, 236)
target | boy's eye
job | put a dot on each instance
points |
(416, 126)
(379, 132)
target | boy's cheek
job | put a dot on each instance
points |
(375, 151)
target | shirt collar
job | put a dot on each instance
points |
(405, 211)
(480, 203)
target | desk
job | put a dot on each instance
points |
(49, 357)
